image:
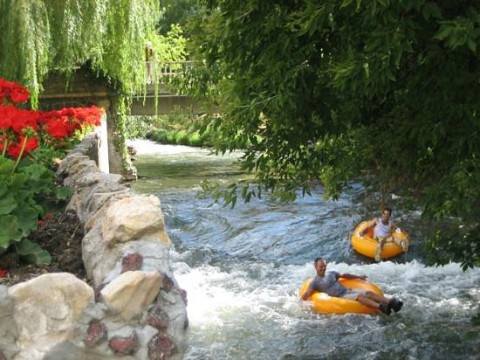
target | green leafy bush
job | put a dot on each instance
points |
(30, 143)
(19, 210)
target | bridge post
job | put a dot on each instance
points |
(102, 138)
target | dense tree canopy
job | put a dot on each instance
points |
(39, 36)
(175, 12)
(386, 92)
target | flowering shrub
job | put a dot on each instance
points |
(30, 141)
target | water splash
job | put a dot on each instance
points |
(242, 269)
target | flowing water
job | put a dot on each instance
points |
(242, 269)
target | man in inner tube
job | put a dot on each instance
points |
(382, 232)
(327, 282)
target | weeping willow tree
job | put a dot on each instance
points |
(39, 36)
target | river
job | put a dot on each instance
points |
(242, 269)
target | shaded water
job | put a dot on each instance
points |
(242, 268)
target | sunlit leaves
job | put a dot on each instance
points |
(330, 91)
(39, 36)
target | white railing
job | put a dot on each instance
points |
(156, 71)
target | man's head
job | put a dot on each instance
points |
(320, 265)
(386, 214)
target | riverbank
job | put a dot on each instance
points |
(61, 236)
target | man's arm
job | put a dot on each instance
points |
(307, 294)
(310, 290)
(367, 226)
(350, 276)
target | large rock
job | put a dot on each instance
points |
(135, 218)
(131, 293)
(8, 330)
(45, 311)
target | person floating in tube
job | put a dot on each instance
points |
(327, 282)
(384, 231)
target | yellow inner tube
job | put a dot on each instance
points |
(322, 303)
(366, 245)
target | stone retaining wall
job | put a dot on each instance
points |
(131, 307)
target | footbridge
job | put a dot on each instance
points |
(86, 88)
(159, 97)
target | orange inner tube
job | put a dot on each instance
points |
(366, 244)
(324, 304)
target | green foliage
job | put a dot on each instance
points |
(386, 92)
(137, 127)
(32, 253)
(41, 35)
(19, 207)
(176, 128)
(170, 47)
(176, 137)
(231, 193)
(17, 203)
(38, 167)
(457, 241)
(175, 12)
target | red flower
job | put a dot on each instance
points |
(17, 119)
(3, 272)
(24, 119)
(19, 94)
(84, 116)
(15, 149)
(13, 91)
(57, 128)
(7, 114)
(48, 216)
(4, 89)
(25, 129)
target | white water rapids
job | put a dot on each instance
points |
(242, 268)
